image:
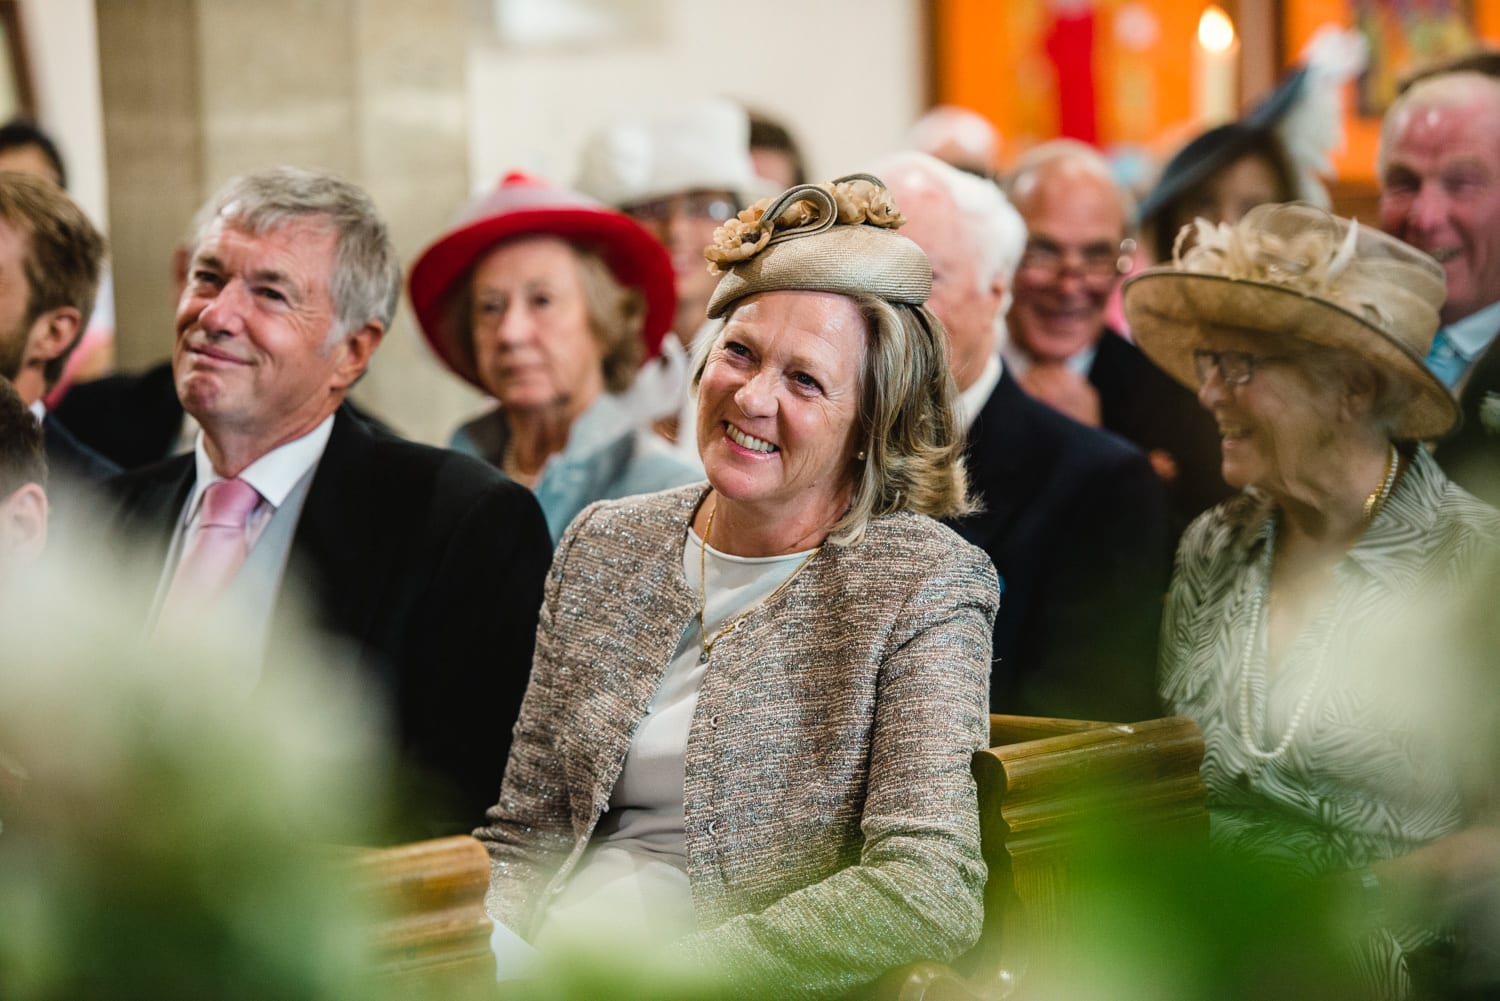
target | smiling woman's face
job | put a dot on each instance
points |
(778, 404)
(1276, 430)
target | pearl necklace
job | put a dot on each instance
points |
(707, 642)
(1372, 507)
(1247, 662)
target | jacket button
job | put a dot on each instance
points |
(713, 827)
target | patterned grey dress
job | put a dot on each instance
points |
(1340, 759)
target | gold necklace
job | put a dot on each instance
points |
(704, 639)
(1382, 493)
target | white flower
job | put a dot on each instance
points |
(1489, 412)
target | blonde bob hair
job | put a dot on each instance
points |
(908, 425)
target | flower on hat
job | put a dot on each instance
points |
(1310, 260)
(1489, 412)
(858, 201)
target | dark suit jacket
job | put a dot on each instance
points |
(1075, 520)
(431, 565)
(1141, 403)
(1471, 457)
(133, 420)
(70, 459)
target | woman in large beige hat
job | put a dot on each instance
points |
(754, 702)
(1304, 335)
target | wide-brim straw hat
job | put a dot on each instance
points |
(526, 206)
(837, 237)
(1295, 270)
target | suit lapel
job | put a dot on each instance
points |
(337, 553)
(998, 455)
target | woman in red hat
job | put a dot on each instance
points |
(549, 302)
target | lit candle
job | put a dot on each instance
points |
(1216, 53)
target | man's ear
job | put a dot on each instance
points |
(998, 294)
(23, 525)
(355, 351)
(52, 333)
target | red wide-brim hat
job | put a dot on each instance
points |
(525, 206)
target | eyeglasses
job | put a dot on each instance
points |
(1097, 262)
(1235, 368)
(693, 205)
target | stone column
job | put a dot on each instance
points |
(196, 91)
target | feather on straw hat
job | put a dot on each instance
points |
(1298, 271)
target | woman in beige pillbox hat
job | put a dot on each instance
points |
(754, 702)
(1326, 749)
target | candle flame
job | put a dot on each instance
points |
(1215, 30)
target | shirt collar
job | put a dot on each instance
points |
(1470, 335)
(1020, 361)
(274, 474)
(972, 400)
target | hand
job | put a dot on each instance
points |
(1063, 390)
(1454, 873)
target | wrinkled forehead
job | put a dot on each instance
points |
(1458, 107)
(1074, 208)
(261, 222)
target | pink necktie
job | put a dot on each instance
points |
(216, 550)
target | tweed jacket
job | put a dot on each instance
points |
(830, 814)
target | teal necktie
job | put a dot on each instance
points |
(1445, 361)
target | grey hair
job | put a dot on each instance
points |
(996, 231)
(1073, 154)
(908, 424)
(366, 280)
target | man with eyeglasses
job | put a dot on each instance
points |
(1059, 345)
(680, 174)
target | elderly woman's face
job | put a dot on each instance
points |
(779, 401)
(1275, 429)
(532, 342)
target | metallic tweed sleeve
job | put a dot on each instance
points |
(528, 832)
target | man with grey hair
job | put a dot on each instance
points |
(1073, 518)
(1079, 222)
(428, 564)
(1440, 192)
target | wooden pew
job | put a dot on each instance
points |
(1047, 788)
(434, 937)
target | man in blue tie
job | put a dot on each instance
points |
(1440, 191)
